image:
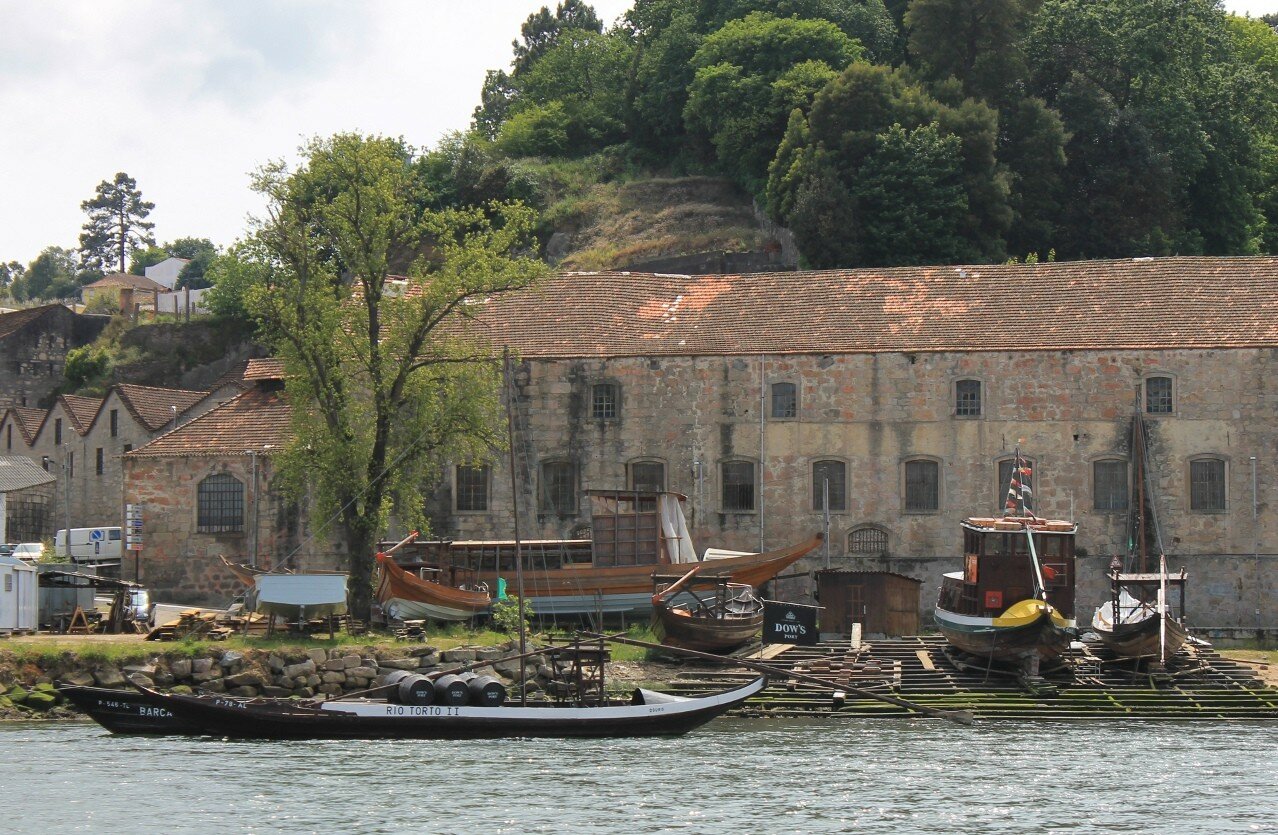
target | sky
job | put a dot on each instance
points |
(190, 97)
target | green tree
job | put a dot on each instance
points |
(1166, 153)
(383, 378)
(860, 127)
(52, 275)
(978, 42)
(233, 277)
(9, 274)
(117, 224)
(200, 252)
(750, 75)
(143, 258)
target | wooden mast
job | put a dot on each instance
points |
(514, 504)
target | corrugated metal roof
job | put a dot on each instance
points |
(19, 473)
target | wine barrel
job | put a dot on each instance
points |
(451, 690)
(411, 688)
(486, 691)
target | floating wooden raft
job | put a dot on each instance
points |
(1201, 685)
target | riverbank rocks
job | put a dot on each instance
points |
(304, 668)
(109, 677)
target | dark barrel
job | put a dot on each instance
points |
(486, 691)
(451, 690)
(411, 688)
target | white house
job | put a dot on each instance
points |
(166, 272)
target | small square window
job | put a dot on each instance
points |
(1158, 395)
(785, 400)
(967, 398)
(604, 401)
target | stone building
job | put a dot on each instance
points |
(208, 490)
(908, 390)
(80, 441)
(123, 292)
(33, 351)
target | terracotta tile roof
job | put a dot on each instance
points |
(17, 472)
(264, 369)
(1162, 303)
(137, 282)
(233, 376)
(81, 410)
(28, 420)
(11, 323)
(256, 420)
(153, 407)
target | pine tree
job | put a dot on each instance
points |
(117, 224)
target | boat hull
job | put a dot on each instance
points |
(1012, 643)
(723, 635)
(1141, 638)
(586, 590)
(263, 719)
(408, 597)
(126, 711)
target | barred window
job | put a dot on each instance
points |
(922, 486)
(472, 487)
(868, 540)
(738, 486)
(1207, 484)
(220, 504)
(604, 399)
(559, 488)
(785, 400)
(1158, 395)
(1109, 485)
(836, 474)
(648, 476)
(967, 398)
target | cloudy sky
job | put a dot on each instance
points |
(190, 96)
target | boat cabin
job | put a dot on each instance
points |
(998, 570)
(627, 528)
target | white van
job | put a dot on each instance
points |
(96, 546)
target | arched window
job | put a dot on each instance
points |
(220, 504)
(738, 486)
(558, 493)
(1207, 485)
(647, 476)
(922, 486)
(835, 474)
(1158, 396)
(867, 539)
(1109, 485)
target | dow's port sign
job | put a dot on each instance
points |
(789, 623)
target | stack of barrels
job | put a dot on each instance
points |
(453, 690)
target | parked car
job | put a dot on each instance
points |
(29, 551)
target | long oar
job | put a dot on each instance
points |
(963, 717)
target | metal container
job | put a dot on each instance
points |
(451, 690)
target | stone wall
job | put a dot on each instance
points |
(32, 359)
(181, 564)
(1066, 410)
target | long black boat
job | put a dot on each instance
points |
(648, 714)
(126, 711)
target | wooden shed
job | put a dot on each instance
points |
(885, 603)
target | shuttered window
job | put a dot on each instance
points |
(1207, 484)
(648, 476)
(558, 488)
(738, 486)
(1109, 485)
(922, 486)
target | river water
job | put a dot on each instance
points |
(734, 775)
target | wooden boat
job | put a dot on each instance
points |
(708, 614)
(1013, 602)
(1139, 620)
(408, 596)
(633, 534)
(246, 574)
(648, 714)
(126, 711)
